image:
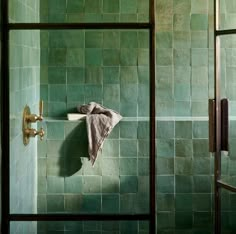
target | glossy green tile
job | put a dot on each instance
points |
(110, 203)
(75, 57)
(164, 166)
(200, 129)
(110, 148)
(183, 129)
(93, 93)
(75, 6)
(110, 166)
(199, 22)
(143, 130)
(111, 96)
(91, 204)
(111, 6)
(128, 166)
(201, 166)
(183, 220)
(111, 57)
(42, 184)
(55, 203)
(128, 39)
(93, 39)
(111, 39)
(111, 75)
(57, 7)
(128, 6)
(128, 148)
(202, 184)
(110, 184)
(183, 184)
(200, 148)
(55, 131)
(93, 57)
(164, 57)
(93, 6)
(57, 57)
(181, 6)
(41, 201)
(164, 39)
(183, 166)
(199, 57)
(184, 148)
(183, 202)
(56, 75)
(55, 184)
(143, 166)
(75, 93)
(199, 39)
(128, 130)
(181, 22)
(57, 93)
(128, 57)
(182, 91)
(182, 57)
(165, 202)
(128, 75)
(165, 184)
(92, 184)
(182, 40)
(143, 148)
(93, 75)
(73, 184)
(165, 220)
(165, 148)
(75, 75)
(128, 184)
(73, 203)
(202, 202)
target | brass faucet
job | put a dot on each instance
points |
(29, 118)
(31, 132)
(33, 117)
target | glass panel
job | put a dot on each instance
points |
(66, 69)
(74, 11)
(228, 85)
(227, 14)
(65, 227)
(228, 211)
(184, 82)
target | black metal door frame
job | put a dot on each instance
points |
(6, 27)
(218, 110)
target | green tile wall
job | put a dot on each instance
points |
(82, 66)
(94, 11)
(118, 183)
(24, 89)
(184, 177)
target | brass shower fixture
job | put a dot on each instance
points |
(29, 118)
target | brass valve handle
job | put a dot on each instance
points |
(41, 109)
(41, 133)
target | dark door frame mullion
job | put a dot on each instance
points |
(5, 125)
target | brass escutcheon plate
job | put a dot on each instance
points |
(26, 125)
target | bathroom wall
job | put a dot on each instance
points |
(0, 117)
(109, 67)
(24, 90)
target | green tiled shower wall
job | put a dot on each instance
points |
(106, 66)
(94, 11)
(24, 90)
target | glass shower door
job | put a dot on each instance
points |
(225, 113)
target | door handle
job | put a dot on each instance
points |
(224, 124)
(211, 125)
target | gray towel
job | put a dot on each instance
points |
(100, 121)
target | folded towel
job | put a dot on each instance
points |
(100, 122)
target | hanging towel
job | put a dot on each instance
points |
(100, 122)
